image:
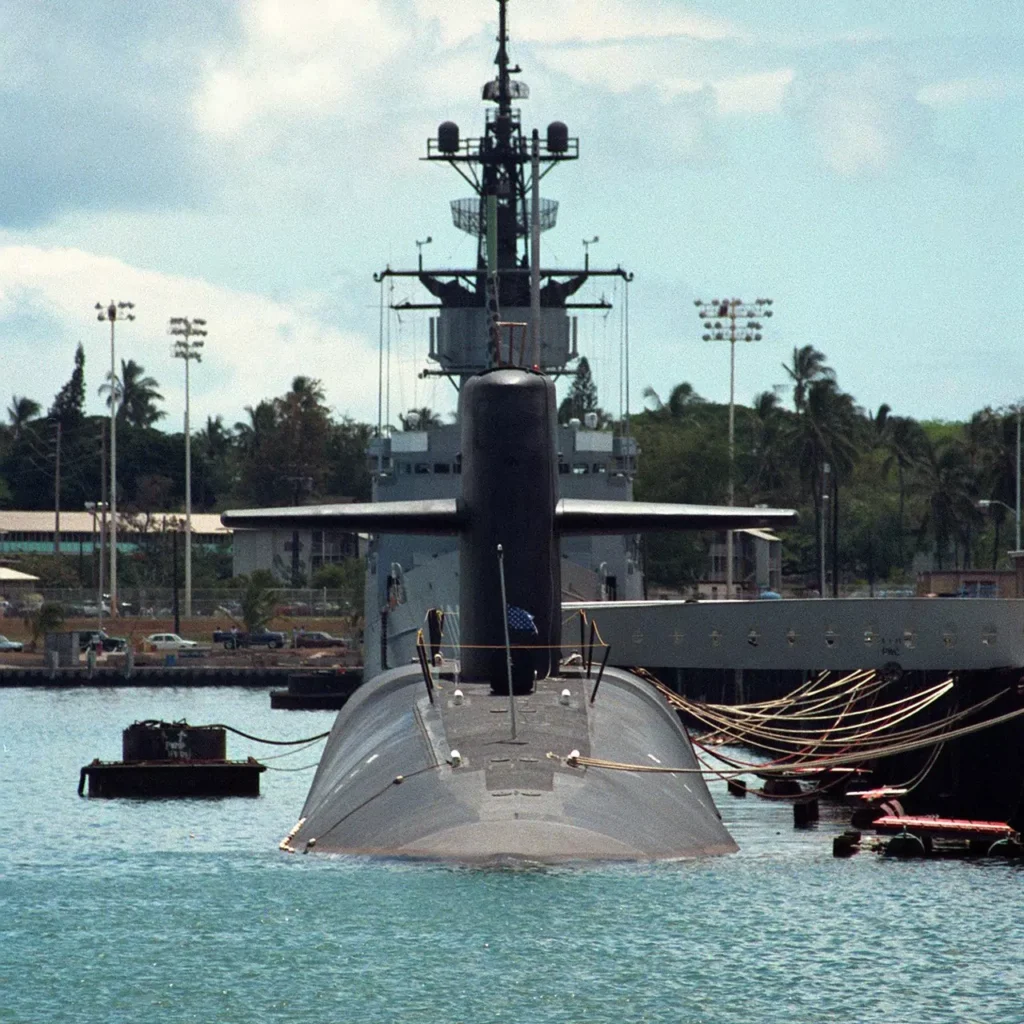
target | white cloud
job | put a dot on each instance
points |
(956, 92)
(302, 58)
(760, 93)
(256, 345)
(863, 120)
(672, 70)
(574, 21)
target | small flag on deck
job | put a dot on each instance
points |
(521, 620)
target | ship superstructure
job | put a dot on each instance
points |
(508, 284)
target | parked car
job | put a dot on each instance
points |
(10, 645)
(98, 640)
(235, 638)
(314, 638)
(170, 642)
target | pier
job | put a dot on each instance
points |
(146, 675)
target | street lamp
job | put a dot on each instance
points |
(986, 503)
(720, 324)
(95, 509)
(113, 312)
(184, 331)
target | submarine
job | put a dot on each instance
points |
(473, 751)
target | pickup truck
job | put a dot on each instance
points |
(100, 641)
(231, 639)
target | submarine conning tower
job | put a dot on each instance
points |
(509, 493)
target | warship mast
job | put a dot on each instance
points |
(502, 166)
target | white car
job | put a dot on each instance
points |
(170, 642)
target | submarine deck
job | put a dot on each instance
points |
(390, 782)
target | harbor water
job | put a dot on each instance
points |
(186, 911)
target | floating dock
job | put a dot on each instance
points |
(171, 759)
(326, 690)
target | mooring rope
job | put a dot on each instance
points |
(262, 739)
(820, 763)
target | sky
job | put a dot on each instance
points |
(254, 162)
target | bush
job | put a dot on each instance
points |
(48, 619)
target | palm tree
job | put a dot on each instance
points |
(906, 446)
(681, 400)
(423, 418)
(214, 438)
(769, 425)
(20, 412)
(136, 394)
(139, 396)
(825, 431)
(808, 366)
(991, 444)
(951, 509)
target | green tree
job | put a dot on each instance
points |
(906, 449)
(303, 422)
(826, 431)
(48, 619)
(582, 396)
(423, 418)
(950, 511)
(214, 466)
(681, 401)
(808, 366)
(21, 412)
(258, 599)
(771, 467)
(259, 481)
(68, 407)
(348, 473)
(348, 577)
(136, 395)
(684, 460)
(78, 438)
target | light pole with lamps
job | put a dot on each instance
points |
(95, 509)
(113, 312)
(184, 331)
(720, 324)
(986, 503)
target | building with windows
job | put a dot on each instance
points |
(290, 553)
(83, 533)
(757, 566)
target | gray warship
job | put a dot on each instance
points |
(462, 744)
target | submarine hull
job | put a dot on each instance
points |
(387, 784)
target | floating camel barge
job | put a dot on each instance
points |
(172, 759)
(317, 691)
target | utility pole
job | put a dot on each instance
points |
(720, 322)
(826, 469)
(56, 496)
(103, 519)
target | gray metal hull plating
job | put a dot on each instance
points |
(386, 784)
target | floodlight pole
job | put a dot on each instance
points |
(113, 312)
(1018, 475)
(713, 314)
(184, 330)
